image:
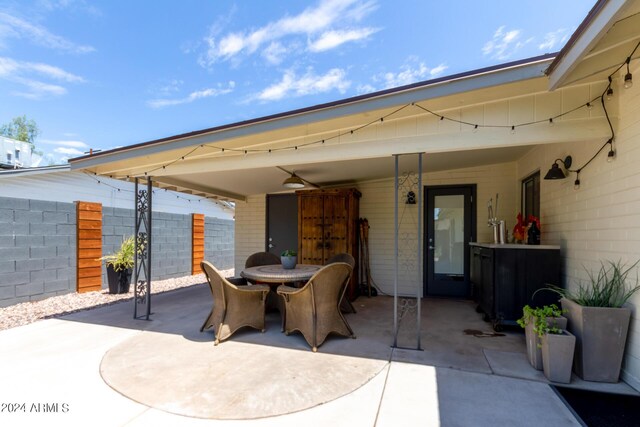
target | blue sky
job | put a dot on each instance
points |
(104, 74)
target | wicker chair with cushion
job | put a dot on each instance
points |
(233, 307)
(345, 304)
(314, 309)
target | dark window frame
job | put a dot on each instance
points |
(530, 184)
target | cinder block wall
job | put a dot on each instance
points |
(219, 242)
(37, 249)
(38, 246)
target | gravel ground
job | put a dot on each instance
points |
(29, 312)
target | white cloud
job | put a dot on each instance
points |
(553, 39)
(22, 72)
(307, 84)
(14, 27)
(193, 96)
(365, 88)
(332, 39)
(411, 72)
(274, 53)
(64, 143)
(504, 43)
(68, 151)
(324, 17)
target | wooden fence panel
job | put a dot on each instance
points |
(89, 244)
(197, 242)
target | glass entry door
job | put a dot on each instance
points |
(448, 233)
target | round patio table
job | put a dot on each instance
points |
(277, 274)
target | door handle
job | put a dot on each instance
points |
(431, 248)
(271, 245)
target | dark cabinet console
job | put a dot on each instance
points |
(505, 277)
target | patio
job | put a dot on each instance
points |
(165, 371)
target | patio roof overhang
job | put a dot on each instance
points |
(606, 36)
(363, 155)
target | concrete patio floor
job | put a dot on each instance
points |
(103, 368)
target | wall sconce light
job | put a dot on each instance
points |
(294, 181)
(555, 172)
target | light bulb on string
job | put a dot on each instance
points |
(576, 183)
(475, 128)
(513, 130)
(589, 106)
(628, 78)
(611, 156)
(551, 121)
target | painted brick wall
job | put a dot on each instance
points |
(219, 242)
(37, 249)
(250, 228)
(601, 220)
(377, 205)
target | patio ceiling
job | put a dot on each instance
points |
(602, 42)
(347, 172)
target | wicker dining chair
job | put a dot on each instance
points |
(314, 309)
(345, 304)
(233, 307)
(254, 260)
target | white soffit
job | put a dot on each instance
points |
(600, 47)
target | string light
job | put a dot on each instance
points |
(608, 92)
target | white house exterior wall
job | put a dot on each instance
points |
(601, 220)
(250, 228)
(67, 186)
(377, 205)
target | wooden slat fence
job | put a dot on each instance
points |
(89, 244)
(197, 242)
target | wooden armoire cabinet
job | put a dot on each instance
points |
(328, 225)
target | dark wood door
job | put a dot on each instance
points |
(282, 223)
(311, 244)
(335, 226)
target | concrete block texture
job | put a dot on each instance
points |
(14, 203)
(6, 215)
(42, 206)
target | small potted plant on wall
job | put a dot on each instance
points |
(289, 259)
(119, 265)
(550, 316)
(599, 321)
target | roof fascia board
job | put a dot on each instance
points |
(439, 89)
(588, 38)
(34, 171)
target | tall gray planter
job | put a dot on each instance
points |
(557, 356)
(601, 336)
(534, 348)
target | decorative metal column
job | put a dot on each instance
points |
(408, 245)
(142, 258)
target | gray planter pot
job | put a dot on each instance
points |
(289, 262)
(534, 349)
(601, 336)
(557, 356)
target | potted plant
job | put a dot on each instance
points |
(599, 321)
(289, 259)
(534, 320)
(119, 265)
(557, 348)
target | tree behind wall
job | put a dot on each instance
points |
(22, 129)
